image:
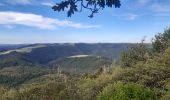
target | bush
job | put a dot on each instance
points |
(134, 54)
(130, 91)
(161, 41)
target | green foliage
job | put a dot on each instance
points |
(49, 52)
(48, 91)
(16, 76)
(135, 54)
(78, 65)
(153, 73)
(167, 94)
(128, 91)
(142, 77)
(91, 87)
(3, 90)
(12, 59)
(53, 90)
(93, 5)
(161, 41)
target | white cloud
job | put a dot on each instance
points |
(28, 2)
(155, 5)
(21, 2)
(127, 16)
(79, 25)
(50, 4)
(131, 16)
(38, 21)
(160, 7)
(144, 2)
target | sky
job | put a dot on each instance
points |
(33, 21)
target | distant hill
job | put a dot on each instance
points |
(17, 71)
(44, 53)
(24, 64)
(6, 47)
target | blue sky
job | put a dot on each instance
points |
(33, 21)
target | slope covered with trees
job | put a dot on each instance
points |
(77, 65)
(142, 74)
(44, 53)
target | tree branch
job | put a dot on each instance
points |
(92, 5)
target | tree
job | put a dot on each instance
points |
(128, 91)
(92, 5)
(161, 41)
(134, 54)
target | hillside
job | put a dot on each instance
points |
(86, 77)
(6, 47)
(14, 76)
(79, 64)
(44, 53)
(31, 63)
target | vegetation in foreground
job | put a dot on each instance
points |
(143, 74)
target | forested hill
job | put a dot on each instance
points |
(5, 47)
(44, 53)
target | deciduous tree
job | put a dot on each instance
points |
(72, 6)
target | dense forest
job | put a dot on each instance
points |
(141, 73)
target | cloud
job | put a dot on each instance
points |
(32, 20)
(50, 4)
(157, 7)
(79, 25)
(28, 2)
(131, 16)
(16, 2)
(144, 2)
(127, 16)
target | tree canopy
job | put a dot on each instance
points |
(161, 41)
(72, 6)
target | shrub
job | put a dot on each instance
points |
(130, 91)
(161, 41)
(134, 55)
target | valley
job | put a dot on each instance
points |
(40, 61)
